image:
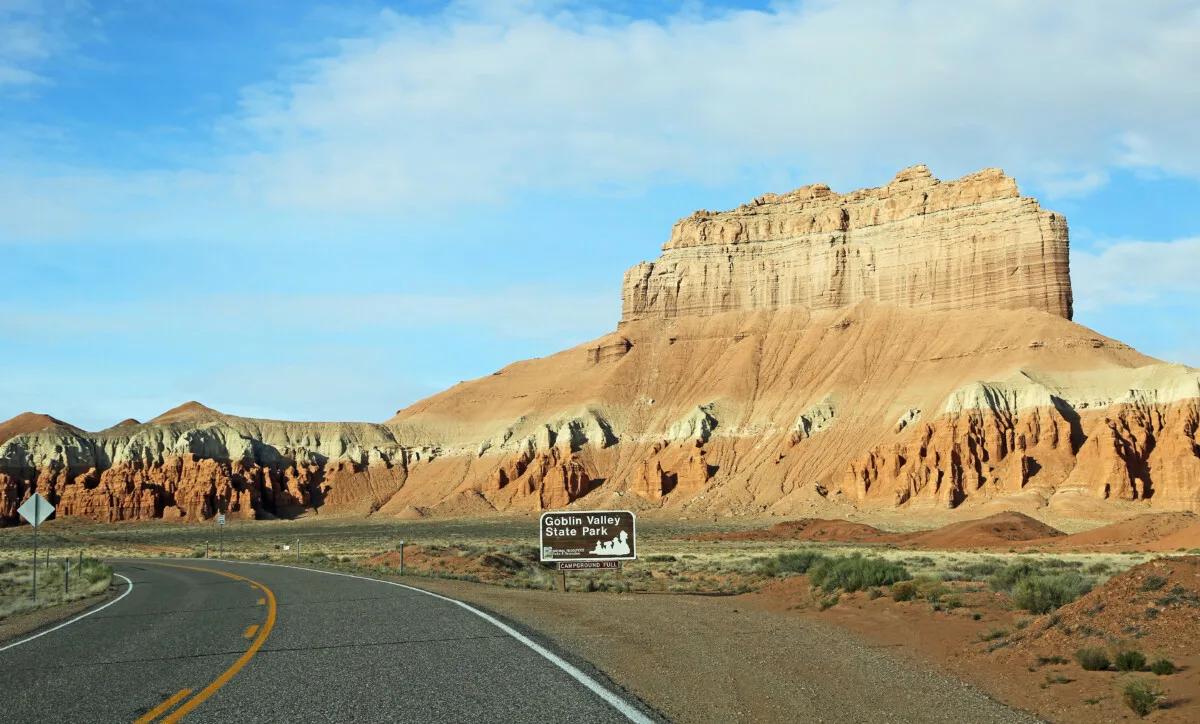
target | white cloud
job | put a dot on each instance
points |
(31, 32)
(477, 104)
(1130, 273)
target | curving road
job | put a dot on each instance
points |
(220, 641)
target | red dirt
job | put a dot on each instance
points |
(812, 529)
(1155, 532)
(1000, 530)
(25, 423)
(1008, 652)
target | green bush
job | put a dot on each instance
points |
(797, 562)
(1130, 660)
(904, 591)
(854, 573)
(1154, 582)
(1007, 578)
(1044, 593)
(1142, 696)
(1163, 667)
(996, 633)
(829, 601)
(1091, 659)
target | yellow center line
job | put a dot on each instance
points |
(255, 645)
(250, 630)
(149, 716)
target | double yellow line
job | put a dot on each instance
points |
(259, 632)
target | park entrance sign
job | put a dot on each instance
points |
(587, 536)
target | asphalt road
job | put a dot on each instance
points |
(221, 641)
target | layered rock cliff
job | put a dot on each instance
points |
(909, 345)
(974, 243)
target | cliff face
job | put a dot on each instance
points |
(809, 353)
(974, 243)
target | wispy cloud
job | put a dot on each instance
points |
(473, 105)
(31, 33)
(1128, 273)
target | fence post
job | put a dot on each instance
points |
(66, 577)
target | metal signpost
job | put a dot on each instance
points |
(587, 540)
(35, 510)
(220, 538)
(401, 546)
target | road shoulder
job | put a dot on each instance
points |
(30, 622)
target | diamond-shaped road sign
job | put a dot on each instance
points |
(36, 509)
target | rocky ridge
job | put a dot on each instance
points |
(809, 353)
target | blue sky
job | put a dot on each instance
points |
(315, 211)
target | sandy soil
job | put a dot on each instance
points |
(726, 659)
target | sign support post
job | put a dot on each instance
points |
(36, 510)
(401, 558)
(35, 527)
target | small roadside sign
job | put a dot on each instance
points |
(587, 535)
(36, 510)
(220, 519)
(589, 565)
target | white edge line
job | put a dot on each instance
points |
(594, 686)
(128, 588)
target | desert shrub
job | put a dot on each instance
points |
(1091, 659)
(1154, 582)
(661, 558)
(1006, 579)
(931, 588)
(904, 591)
(854, 573)
(828, 601)
(1142, 696)
(1130, 660)
(1044, 593)
(1099, 568)
(996, 633)
(1163, 667)
(1043, 660)
(980, 571)
(874, 593)
(795, 562)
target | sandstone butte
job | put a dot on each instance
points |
(908, 346)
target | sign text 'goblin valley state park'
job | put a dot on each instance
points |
(588, 535)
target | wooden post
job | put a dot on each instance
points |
(562, 580)
(402, 558)
(66, 577)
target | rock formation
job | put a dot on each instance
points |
(809, 353)
(974, 243)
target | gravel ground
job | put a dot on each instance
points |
(713, 659)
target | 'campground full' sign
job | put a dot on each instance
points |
(588, 535)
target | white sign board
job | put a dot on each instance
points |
(220, 519)
(36, 510)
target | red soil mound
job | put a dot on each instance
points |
(1153, 607)
(1153, 532)
(1002, 529)
(27, 422)
(813, 529)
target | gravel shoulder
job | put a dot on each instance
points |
(722, 659)
(23, 624)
